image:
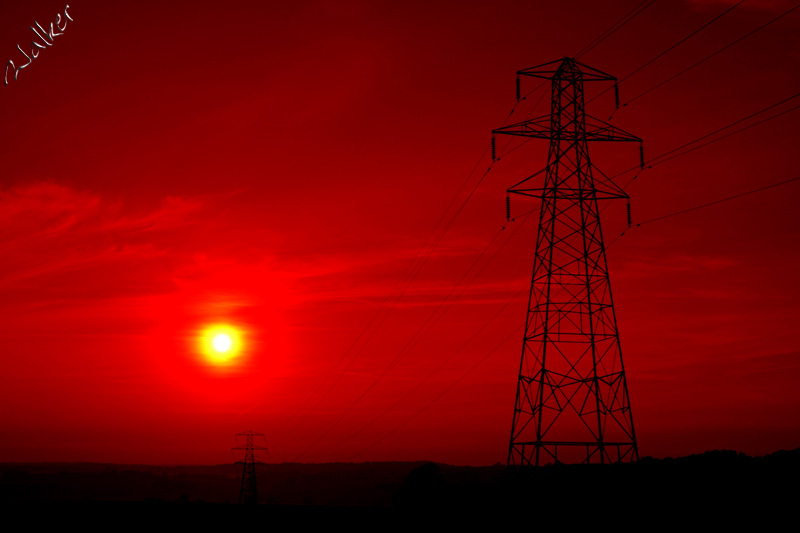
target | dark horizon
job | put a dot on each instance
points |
(701, 484)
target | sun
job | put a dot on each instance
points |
(221, 344)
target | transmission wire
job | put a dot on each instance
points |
(413, 269)
(665, 52)
(687, 69)
(448, 389)
(421, 334)
(703, 206)
(614, 27)
(434, 245)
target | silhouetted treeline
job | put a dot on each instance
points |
(701, 483)
(717, 480)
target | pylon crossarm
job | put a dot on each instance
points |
(592, 74)
(541, 128)
(516, 187)
(600, 194)
(548, 71)
(538, 128)
(600, 130)
(545, 70)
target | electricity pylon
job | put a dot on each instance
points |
(248, 493)
(572, 403)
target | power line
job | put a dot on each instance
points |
(450, 223)
(715, 202)
(384, 310)
(695, 32)
(662, 158)
(744, 128)
(419, 334)
(432, 319)
(503, 151)
(448, 389)
(633, 13)
(415, 272)
(687, 69)
(668, 50)
(444, 363)
(703, 206)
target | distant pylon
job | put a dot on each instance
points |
(572, 403)
(249, 489)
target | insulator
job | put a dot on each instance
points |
(494, 158)
(518, 93)
(508, 208)
(629, 213)
(616, 94)
(641, 156)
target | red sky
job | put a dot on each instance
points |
(279, 167)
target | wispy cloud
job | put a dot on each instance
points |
(61, 242)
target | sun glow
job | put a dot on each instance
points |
(221, 344)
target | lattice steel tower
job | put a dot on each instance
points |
(572, 402)
(248, 493)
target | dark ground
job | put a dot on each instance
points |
(717, 483)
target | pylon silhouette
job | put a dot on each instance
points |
(248, 493)
(572, 402)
